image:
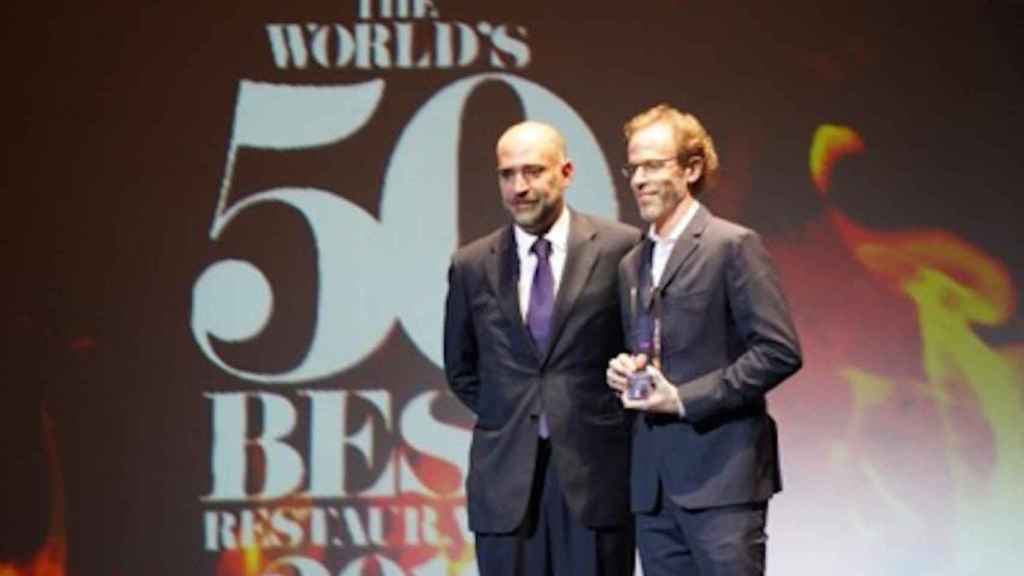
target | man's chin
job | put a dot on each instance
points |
(527, 221)
(649, 214)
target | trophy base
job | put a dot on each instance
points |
(639, 385)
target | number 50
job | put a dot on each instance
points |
(370, 273)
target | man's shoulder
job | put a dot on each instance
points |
(612, 230)
(478, 249)
(734, 241)
(726, 230)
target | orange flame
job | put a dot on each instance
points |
(51, 558)
(975, 390)
(983, 293)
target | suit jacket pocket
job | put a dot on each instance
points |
(683, 317)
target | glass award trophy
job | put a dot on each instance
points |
(643, 339)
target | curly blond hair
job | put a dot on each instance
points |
(692, 140)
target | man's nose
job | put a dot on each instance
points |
(638, 179)
(519, 182)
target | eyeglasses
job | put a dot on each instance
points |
(530, 172)
(652, 165)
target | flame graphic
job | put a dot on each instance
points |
(971, 392)
(830, 143)
(51, 558)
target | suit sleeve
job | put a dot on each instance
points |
(771, 349)
(460, 347)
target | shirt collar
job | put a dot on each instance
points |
(558, 235)
(678, 229)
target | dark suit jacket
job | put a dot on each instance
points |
(726, 340)
(494, 368)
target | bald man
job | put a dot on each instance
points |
(531, 319)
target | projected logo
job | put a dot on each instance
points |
(284, 446)
(398, 35)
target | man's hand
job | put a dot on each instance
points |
(663, 398)
(619, 369)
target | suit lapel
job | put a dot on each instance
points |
(503, 273)
(685, 246)
(581, 255)
(630, 282)
(631, 268)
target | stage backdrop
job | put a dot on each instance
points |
(229, 225)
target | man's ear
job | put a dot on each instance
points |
(694, 170)
(568, 169)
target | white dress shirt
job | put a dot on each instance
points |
(663, 246)
(558, 235)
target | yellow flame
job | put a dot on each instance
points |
(828, 144)
(456, 566)
(953, 286)
(253, 560)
